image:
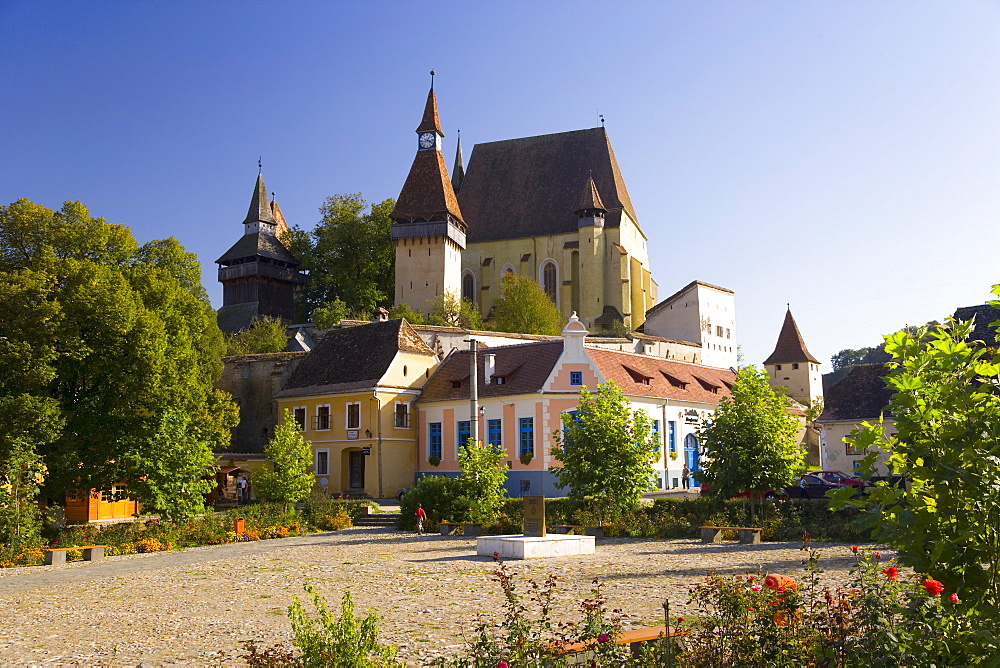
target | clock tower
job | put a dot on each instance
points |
(427, 225)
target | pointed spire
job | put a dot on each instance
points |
(458, 174)
(591, 199)
(430, 122)
(260, 209)
(790, 346)
(280, 226)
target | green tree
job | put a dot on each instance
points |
(291, 455)
(105, 337)
(21, 475)
(484, 472)
(523, 307)
(447, 310)
(265, 335)
(176, 486)
(946, 408)
(750, 440)
(349, 255)
(403, 310)
(330, 314)
(606, 450)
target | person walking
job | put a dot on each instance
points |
(241, 490)
(685, 477)
(421, 516)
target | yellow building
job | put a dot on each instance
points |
(553, 208)
(352, 396)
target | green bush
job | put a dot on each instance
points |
(442, 498)
(320, 504)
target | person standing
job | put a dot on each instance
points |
(421, 515)
(241, 489)
(685, 477)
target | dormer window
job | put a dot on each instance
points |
(637, 376)
(707, 386)
(674, 381)
(499, 380)
(456, 384)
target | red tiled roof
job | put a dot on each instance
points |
(790, 346)
(427, 190)
(430, 122)
(642, 375)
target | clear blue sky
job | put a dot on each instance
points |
(841, 156)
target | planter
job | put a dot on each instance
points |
(597, 532)
(448, 528)
(472, 530)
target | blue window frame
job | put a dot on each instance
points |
(464, 433)
(656, 430)
(434, 440)
(493, 433)
(527, 434)
(576, 378)
(672, 435)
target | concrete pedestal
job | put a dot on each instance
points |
(529, 547)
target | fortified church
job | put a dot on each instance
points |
(386, 402)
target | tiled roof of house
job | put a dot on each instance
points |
(984, 315)
(531, 186)
(260, 208)
(860, 395)
(642, 375)
(790, 346)
(524, 368)
(353, 358)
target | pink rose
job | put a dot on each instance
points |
(756, 588)
(604, 637)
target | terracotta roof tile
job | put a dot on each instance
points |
(531, 186)
(646, 376)
(427, 190)
(591, 198)
(790, 346)
(430, 121)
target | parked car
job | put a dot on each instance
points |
(811, 487)
(400, 493)
(841, 478)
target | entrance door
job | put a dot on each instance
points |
(357, 467)
(691, 457)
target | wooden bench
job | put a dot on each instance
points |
(632, 638)
(57, 555)
(747, 535)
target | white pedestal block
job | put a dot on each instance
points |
(528, 547)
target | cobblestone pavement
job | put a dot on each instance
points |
(197, 607)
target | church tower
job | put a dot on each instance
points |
(427, 225)
(791, 365)
(259, 275)
(588, 271)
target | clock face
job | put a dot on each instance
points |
(427, 140)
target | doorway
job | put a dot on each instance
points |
(691, 457)
(356, 468)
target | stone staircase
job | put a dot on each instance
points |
(385, 520)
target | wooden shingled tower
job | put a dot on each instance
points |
(427, 225)
(259, 275)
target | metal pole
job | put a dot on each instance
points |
(668, 655)
(474, 392)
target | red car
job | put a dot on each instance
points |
(840, 478)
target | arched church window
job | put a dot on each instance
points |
(549, 280)
(469, 288)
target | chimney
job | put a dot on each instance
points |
(490, 368)
(380, 315)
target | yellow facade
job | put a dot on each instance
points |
(365, 440)
(595, 267)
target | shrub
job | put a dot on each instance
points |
(320, 504)
(341, 520)
(442, 499)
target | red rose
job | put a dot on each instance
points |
(954, 598)
(891, 572)
(854, 549)
(933, 587)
